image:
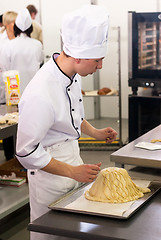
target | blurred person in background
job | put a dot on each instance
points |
(6, 34)
(37, 28)
(22, 53)
(7, 31)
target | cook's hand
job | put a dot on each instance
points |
(86, 172)
(108, 134)
(111, 134)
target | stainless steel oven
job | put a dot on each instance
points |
(144, 50)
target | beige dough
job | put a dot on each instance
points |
(114, 185)
(2, 120)
(12, 121)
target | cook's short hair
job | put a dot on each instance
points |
(31, 9)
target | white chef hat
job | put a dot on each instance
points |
(85, 32)
(23, 20)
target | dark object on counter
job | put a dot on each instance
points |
(8, 146)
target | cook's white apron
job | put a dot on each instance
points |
(44, 188)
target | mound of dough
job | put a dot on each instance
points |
(114, 185)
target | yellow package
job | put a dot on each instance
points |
(12, 87)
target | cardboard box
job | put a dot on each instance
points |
(13, 165)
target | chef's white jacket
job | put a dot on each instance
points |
(23, 54)
(50, 112)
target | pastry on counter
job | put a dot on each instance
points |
(9, 118)
(104, 91)
(155, 140)
(2, 120)
(114, 185)
(12, 121)
(83, 92)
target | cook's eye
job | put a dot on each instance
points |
(97, 60)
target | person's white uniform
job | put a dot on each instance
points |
(3, 37)
(22, 53)
(51, 113)
(37, 31)
(55, 121)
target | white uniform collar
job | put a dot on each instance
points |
(23, 35)
(54, 56)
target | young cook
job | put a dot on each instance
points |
(52, 115)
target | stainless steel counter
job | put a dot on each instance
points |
(144, 224)
(131, 155)
(12, 198)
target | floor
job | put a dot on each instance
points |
(16, 227)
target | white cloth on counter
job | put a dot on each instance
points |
(148, 146)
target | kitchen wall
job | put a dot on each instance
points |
(16, 5)
(50, 15)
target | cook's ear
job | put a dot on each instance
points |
(77, 60)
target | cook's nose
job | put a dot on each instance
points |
(99, 66)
